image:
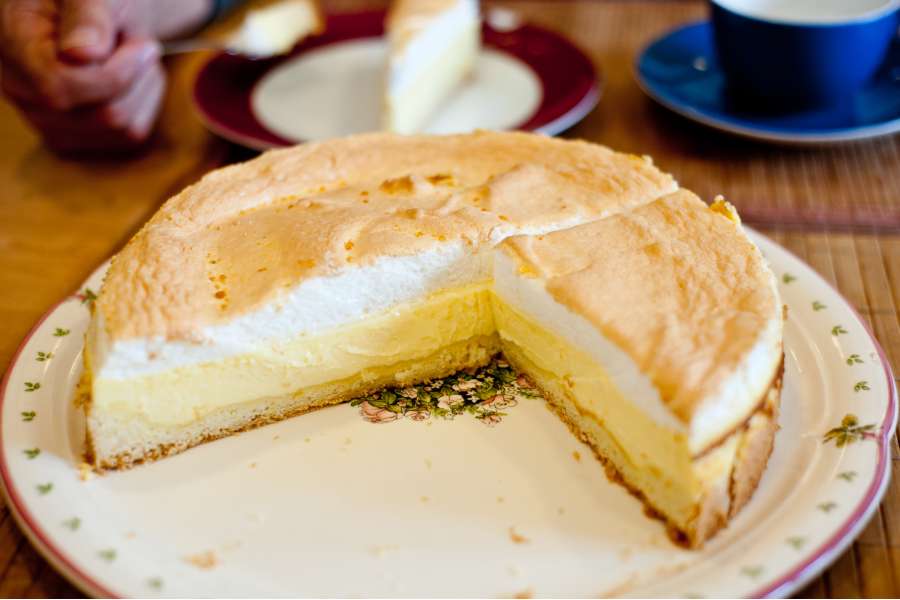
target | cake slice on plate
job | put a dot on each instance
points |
(655, 334)
(432, 47)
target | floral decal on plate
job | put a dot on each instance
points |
(796, 542)
(826, 507)
(87, 296)
(483, 393)
(847, 476)
(850, 431)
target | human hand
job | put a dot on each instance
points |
(85, 73)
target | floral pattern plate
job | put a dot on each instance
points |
(466, 486)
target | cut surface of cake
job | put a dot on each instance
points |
(316, 274)
(432, 47)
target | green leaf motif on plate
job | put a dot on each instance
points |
(43, 356)
(826, 507)
(796, 542)
(861, 386)
(849, 431)
(74, 523)
(847, 476)
(44, 488)
(155, 583)
(838, 330)
(31, 452)
(788, 278)
(32, 386)
(60, 332)
(87, 296)
(28, 415)
(484, 394)
(752, 572)
(854, 359)
(817, 306)
(108, 554)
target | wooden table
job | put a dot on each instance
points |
(60, 219)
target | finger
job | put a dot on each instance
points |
(122, 124)
(26, 28)
(87, 30)
(22, 21)
(85, 84)
(126, 110)
(148, 111)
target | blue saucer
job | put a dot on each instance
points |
(679, 71)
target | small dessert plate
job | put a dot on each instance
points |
(680, 71)
(492, 498)
(526, 78)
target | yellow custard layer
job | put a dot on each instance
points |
(649, 456)
(368, 349)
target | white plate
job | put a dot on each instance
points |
(336, 82)
(329, 504)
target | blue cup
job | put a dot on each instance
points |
(789, 54)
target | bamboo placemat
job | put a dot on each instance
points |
(793, 193)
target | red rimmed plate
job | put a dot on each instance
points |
(526, 78)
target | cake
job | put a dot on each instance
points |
(276, 27)
(432, 47)
(312, 275)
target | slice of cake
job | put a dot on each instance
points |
(276, 27)
(315, 274)
(432, 47)
(656, 335)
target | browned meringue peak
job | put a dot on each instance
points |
(674, 283)
(231, 242)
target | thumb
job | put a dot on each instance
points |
(87, 30)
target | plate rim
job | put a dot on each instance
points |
(849, 530)
(26, 522)
(577, 112)
(689, 111)
(814, 563)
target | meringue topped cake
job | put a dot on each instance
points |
(315, 274)
(432, 47)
